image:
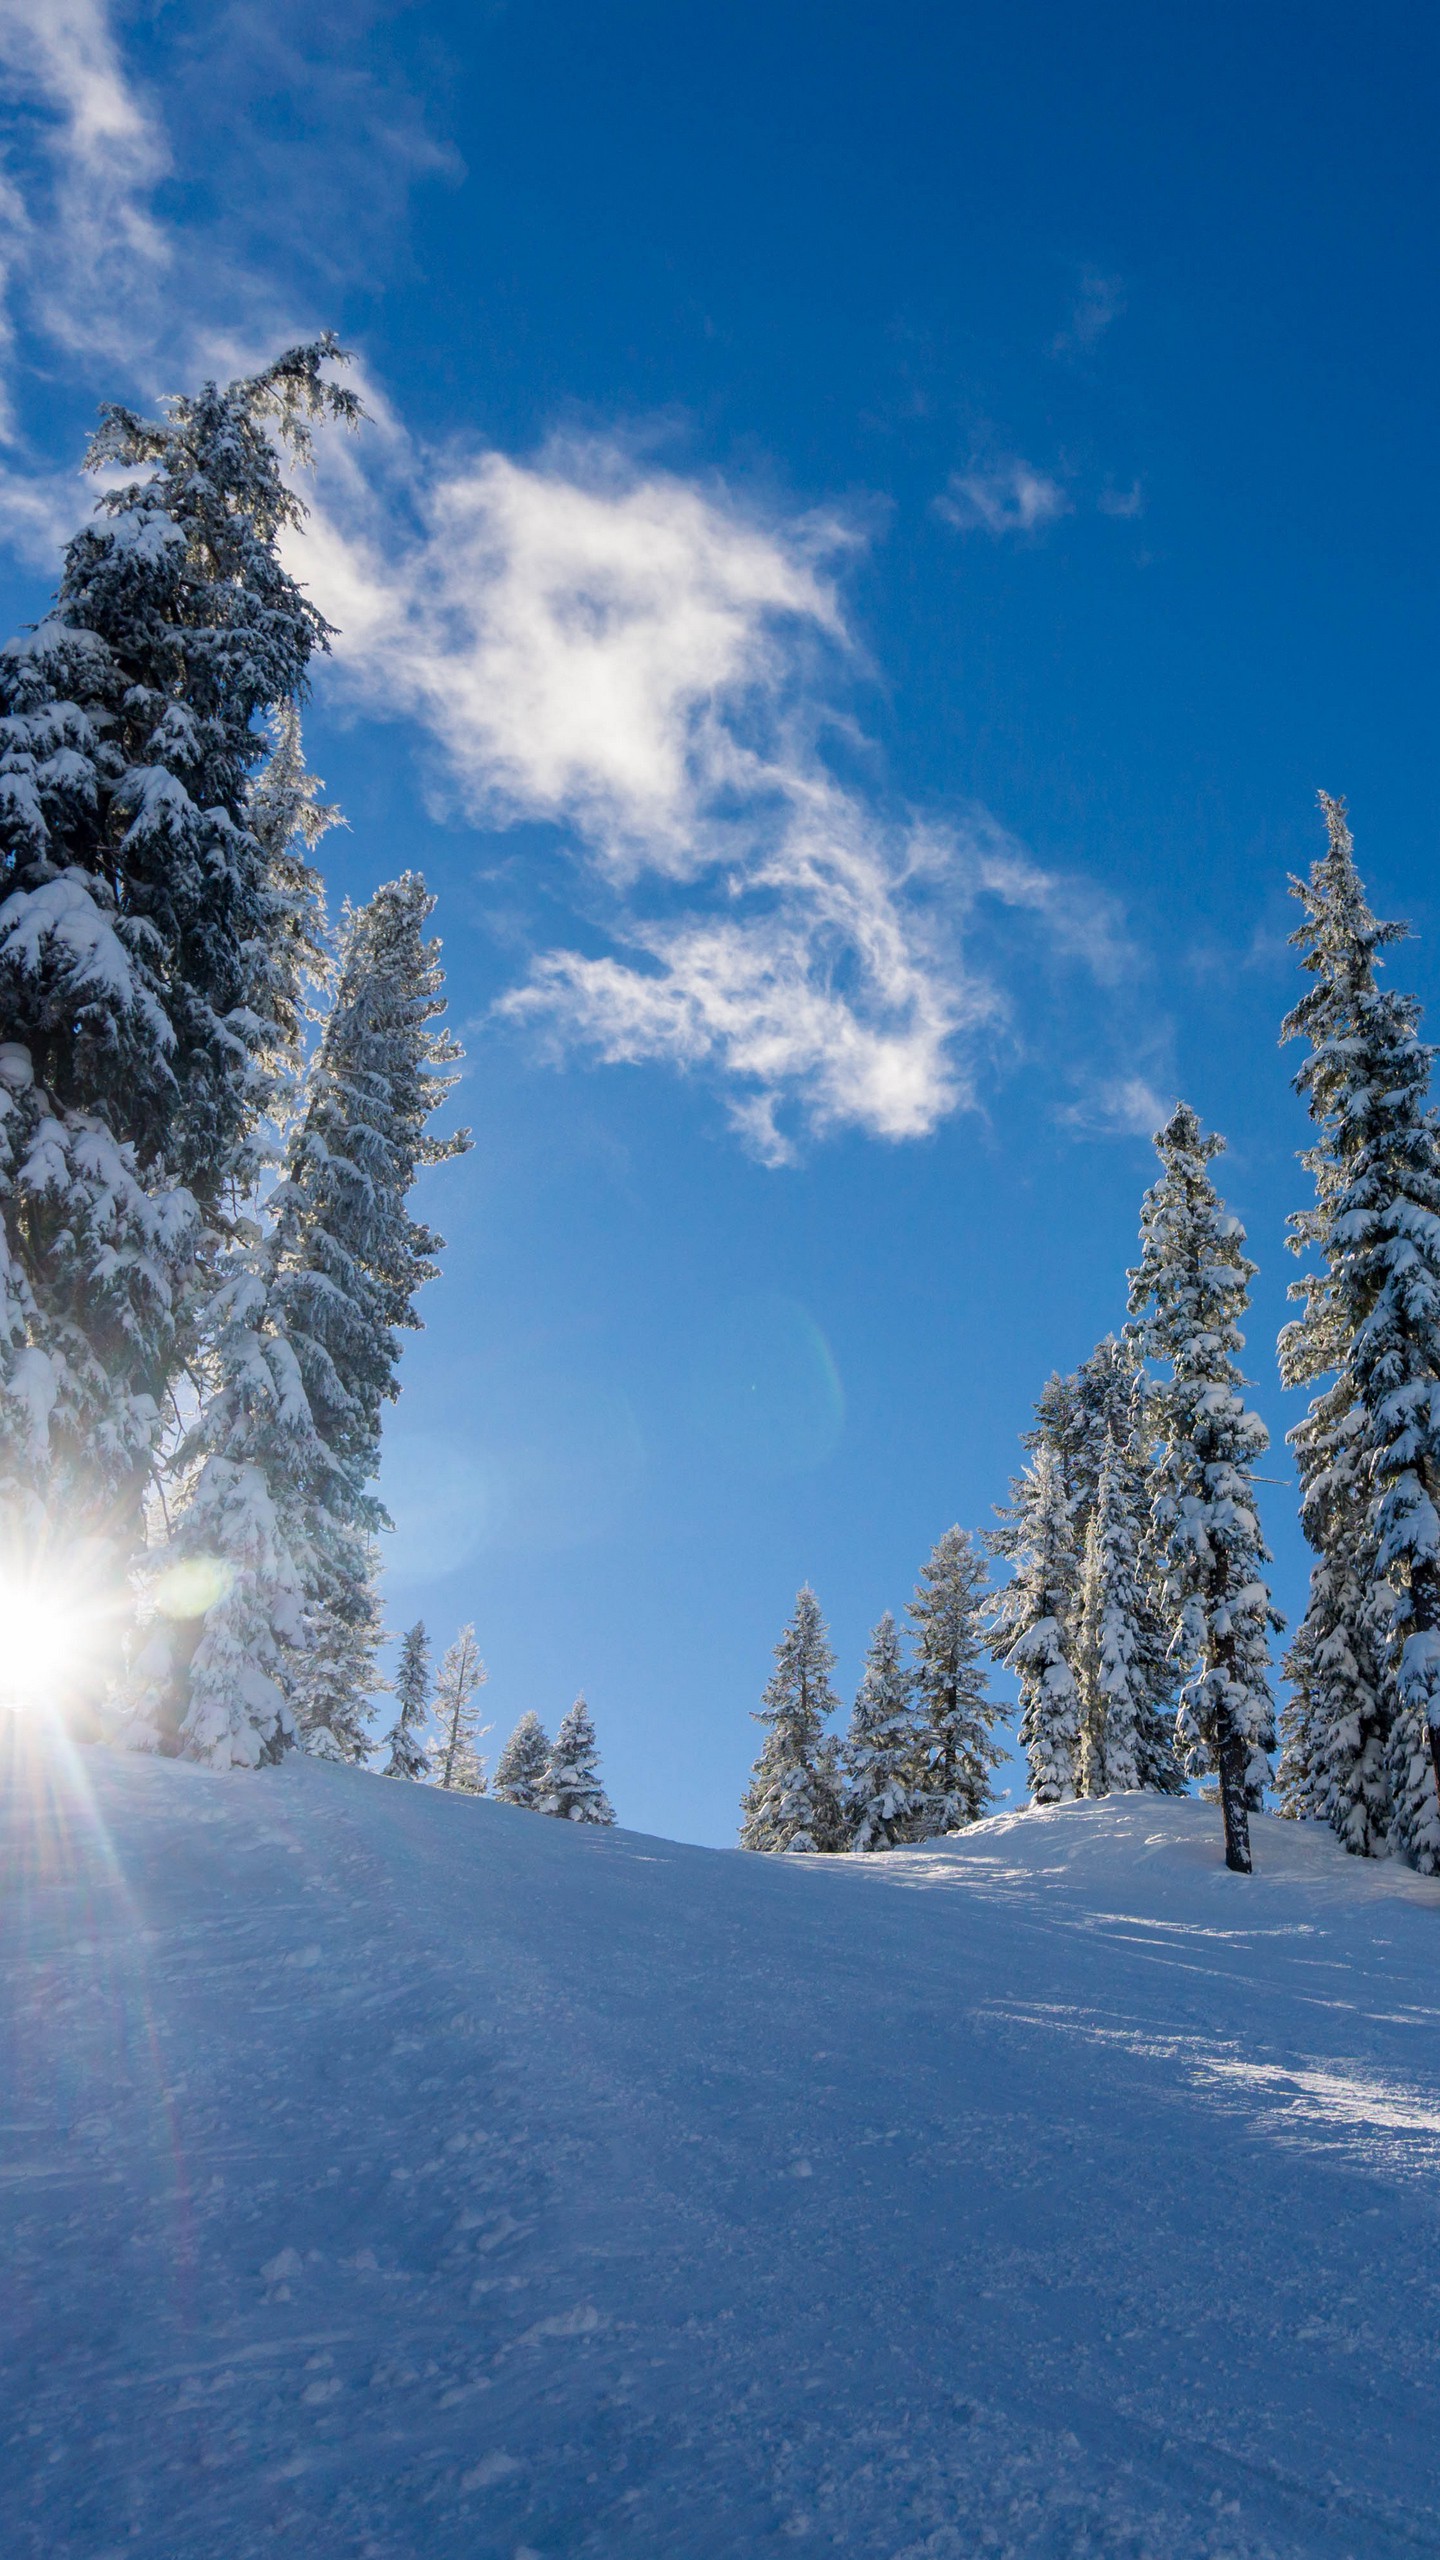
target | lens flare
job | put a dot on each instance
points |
(188, 1589)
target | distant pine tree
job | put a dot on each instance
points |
(1030, 1625)
(521, 1767)
(793, 1800)
(954, 1713)
(570, 1789)
(882, 1802)
(408, 1756)
(1187, 1294)
(457, 1719)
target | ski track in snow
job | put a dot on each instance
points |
(386, 2173)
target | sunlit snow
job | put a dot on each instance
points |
(393, 2174)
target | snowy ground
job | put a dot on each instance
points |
(388, 2173)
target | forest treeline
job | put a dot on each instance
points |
(1137, 1617)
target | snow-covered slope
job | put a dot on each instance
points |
(388, 2173)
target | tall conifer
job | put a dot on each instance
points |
(1363, 1739)
(1187, 1294)
(348, 1259)
(147, 951)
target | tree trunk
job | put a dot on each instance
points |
(1424, 1615)
(1232, 1756)
(1233, 1759)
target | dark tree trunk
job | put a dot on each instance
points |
(1424, 1617)
(1233, 1758)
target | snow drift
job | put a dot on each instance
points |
(389, 2173)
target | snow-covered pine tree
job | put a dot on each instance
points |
(954, 1713)
(1370, 1447)
(408, 1755)
(571, 1790)
(1119, 1401)
(349, 1259)
(1187, 1295)
(457, 1719)
(214, 1678)
(793, 1801)
(1029, 1624)
(1336, 1725)
(882, 1802)
(1110, 1653)
(1076, 1414)
(143, 944)
(520, 1769)
(249, 1665)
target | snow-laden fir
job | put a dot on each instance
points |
(391, 2172)
(1363, 1730)
(1187, 1294)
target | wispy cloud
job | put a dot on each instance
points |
(1098, 303)
(83, 251)
(90, 270)
(1081, 920)
(1004, 497)
(1125, 1106)
(659, 671)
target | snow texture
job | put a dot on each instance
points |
(389, 2173)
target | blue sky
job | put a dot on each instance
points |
(876, 524)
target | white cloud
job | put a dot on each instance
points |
(641, 661)
(1003, 497)
(86, 252)
(585, 644)
(656, 669)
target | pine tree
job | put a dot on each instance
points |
(1362, 1734)
(1029, 1625)
(348, 1260)
(215, 1681)
(1075, 1416)
(457, 1718)
(408, 1755)
(954, 1714)
(520, 1769)
(570, 1789)
(145, 950)
(882, 1803)
(793, 1801)
(1111, 1643)
(1187, 1294)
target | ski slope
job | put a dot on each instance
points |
(388, 2173)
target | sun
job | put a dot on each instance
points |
(42, 1640)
